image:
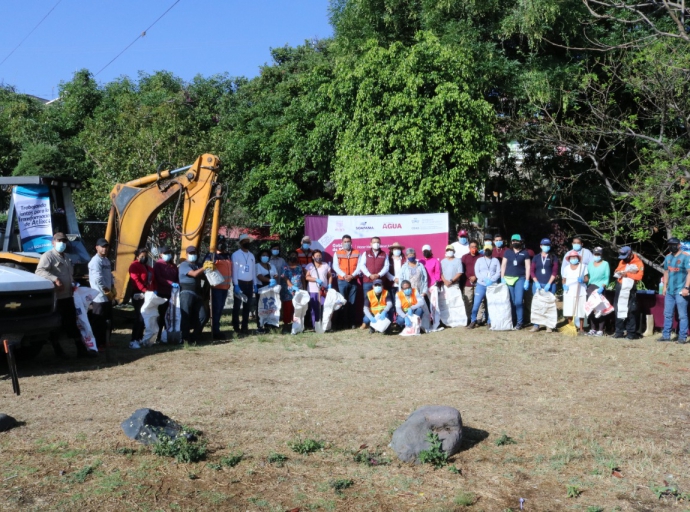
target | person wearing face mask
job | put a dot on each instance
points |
(293, 274)
(244, 282)
(599, 275)
(407, 303)
(140, 276)
(462, 246)
(395, 262)
(584, 254)
(266, 275)
(101, 280)
(219, 294)
(469, 280)
(55, 266)
(499, 249)
(432, 266)
(487, 270)
(165, 278)
(575, 278)
(373, 264)
(515, 271)
(318, 277)
(544, 273)
(630, 266)
(377, 304)
(345, 263)
(676, 291)
(304, 253)
(414, 272)
(193, 315)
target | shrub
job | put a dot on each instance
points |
(435, 454)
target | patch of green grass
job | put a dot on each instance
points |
(435, 454)
(259, 502)
(79, 477)
(181, 449)
(277, 458)
(667, 491)
(311, 343)
(455, 470)
(505, 440)
(125, 451)
(46, 447)
(371, 458)
(341, 484)
(594, 508)
(465, 499)
(232, 460)
(306, 446)
(109, 484)
(572, 491)
(212, 497)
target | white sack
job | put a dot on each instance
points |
(172, 332)
(451, 306)
(300, 301)
(333, 302)
(415, 329)
(435, 312)
(149, 312)
(83, 297)
(381, 325)
(544, 310)
(500, 311)
(268, 303)
(624, 298)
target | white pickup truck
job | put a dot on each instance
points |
(27, 310)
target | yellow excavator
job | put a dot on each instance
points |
(136, 204)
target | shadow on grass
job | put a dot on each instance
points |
(472, 437)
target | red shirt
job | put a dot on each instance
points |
(141, 276)
(164, 275)
(468, 262)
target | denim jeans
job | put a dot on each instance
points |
(401, 321)
(218, 298)
(349, 291)
(671, 303)
(479, 294)
(517, 293)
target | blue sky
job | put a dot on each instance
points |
(196, 37)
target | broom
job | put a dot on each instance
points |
(570, 329)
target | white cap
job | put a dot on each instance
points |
(427, 247)
(244, 236)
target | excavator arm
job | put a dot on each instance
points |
(136, 204)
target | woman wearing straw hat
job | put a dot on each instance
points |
(575, 277)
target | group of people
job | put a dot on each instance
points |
(394, 285)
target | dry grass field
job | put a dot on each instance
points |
(597, 424)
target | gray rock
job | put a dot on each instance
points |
(410, 438)
(7, 422)
(146, 425)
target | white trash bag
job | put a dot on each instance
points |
(435, 312)
(500, 311)
(380, 325)
(544, 310)
(149, 312)
(268, 303)
(414, 329)
(300, 301)
(83, 297)
(451, 306)
(172, 332)
(332, 303)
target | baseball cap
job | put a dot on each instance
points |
(244, 236)
(191, 250)
(545, 241)
(624, 252)
(673, 240)
(598, 250)
(462, 232)
(378, 281)
(102, 242)
(59, 236)
(306, 239)
(488, 237)
(164, 250)
(449, 247)
(426, 247)
(516, 237)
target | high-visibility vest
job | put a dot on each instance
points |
(406, 303)
(377, 305)
(304, 258)
(374, 264)
(347, 263)
(225, 268)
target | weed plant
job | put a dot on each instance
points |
(435, 454)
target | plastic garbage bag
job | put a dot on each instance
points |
(500, 311)
(300, 302)
(268, 303)
(149, 312)
(452, 307)
(83, 297)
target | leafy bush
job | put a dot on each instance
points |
(435, 454)
(375, 458)
(277, 458)
(232, 460)
(341, 484)
(505, 440)
(79, 477)
(306, 446)
(465, 499)
(181, 449)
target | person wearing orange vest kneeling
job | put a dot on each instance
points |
(345, 263)
(378, 304)
(407, 303)
(219, 294)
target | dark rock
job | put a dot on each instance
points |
(7, 422)
(146, 425)
(410, 438)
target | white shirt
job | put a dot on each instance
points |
(243, 267)
(460, 250)
(397, 265)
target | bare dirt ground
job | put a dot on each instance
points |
(602, 420)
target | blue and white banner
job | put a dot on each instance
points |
(32, 204)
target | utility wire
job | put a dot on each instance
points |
(138, 37)
(32, 31)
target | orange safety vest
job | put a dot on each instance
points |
(350, 262)
(225, 268)
(635, 260)
(377, 305)
(304, 258)
(405, 302)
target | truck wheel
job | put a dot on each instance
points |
(30, 351)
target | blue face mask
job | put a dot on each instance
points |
(546, 248)
(264, 259)
(577, 247)
(499, 243)
(411, 259)
(191, 258)
(574, 261)
(167, 257)
(597, 258)
(378, 289)
(275, 252)
(60, 246)
(306, 246)
(407, 292)
(463, 240)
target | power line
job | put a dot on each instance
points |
(32, 31)
(138, 37)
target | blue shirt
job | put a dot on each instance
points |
(515, 266)
(677, 268)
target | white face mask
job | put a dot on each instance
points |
(191, 258)
(375, 246)
(396, 252)
(450, 254)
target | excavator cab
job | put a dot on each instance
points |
(32, 208)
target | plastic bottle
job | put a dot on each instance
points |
(661, 287)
